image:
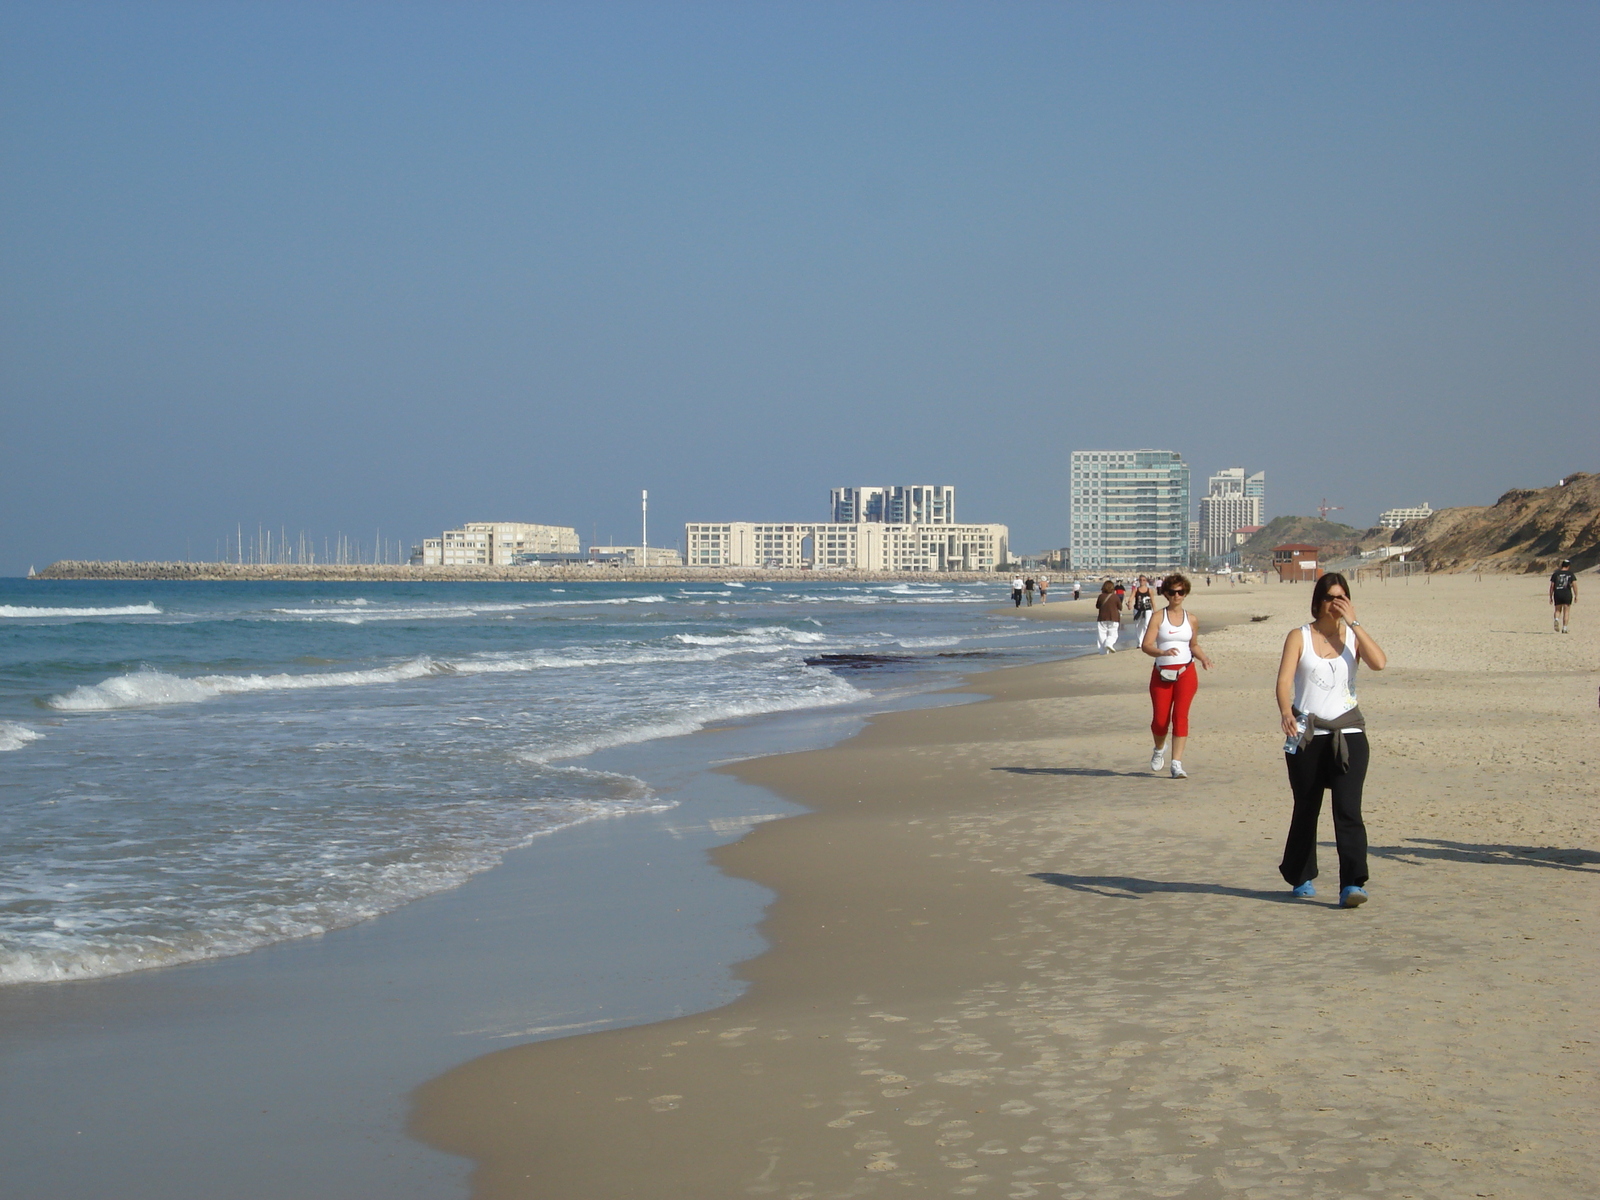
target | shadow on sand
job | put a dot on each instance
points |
(1079, 772)
(1419, 849)
(1130, 887)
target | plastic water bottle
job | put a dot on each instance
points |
(1291, 744)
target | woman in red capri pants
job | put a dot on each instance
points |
(1174, 642)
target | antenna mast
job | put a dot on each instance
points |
(644, 528)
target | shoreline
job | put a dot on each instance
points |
(1006, 960)
(601, 924)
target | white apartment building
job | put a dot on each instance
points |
(496, 544)
(856, 545)
(1395, 517)
(1130, 511)
(903, 504)
(1232, 501)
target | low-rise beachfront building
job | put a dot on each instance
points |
(497, 544)
(637, 556)
(1393, 518)
(852, 546)
(1130, 511)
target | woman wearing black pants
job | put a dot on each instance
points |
(1326, 748)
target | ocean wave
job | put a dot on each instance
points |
(147, 688)
(64, 953)
(766, 635)
(15, 737)
(440, 612)
(917, 643)
(830, 692)
(122, 610)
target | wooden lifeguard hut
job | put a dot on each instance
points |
(1296, 562)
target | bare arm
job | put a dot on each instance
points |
(1286, 666)
(1194, 644)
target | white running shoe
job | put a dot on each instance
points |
(1157, 757)
(1177, 770)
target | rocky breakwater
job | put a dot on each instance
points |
(391, 573)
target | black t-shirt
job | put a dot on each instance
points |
(1563, 580)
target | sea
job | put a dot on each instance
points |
(197, 770)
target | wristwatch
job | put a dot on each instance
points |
(1353, 624)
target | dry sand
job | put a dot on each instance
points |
(1007, 961)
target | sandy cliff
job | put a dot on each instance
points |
(1526, 530)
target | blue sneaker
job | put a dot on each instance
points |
(1305, 889)
(1352, 897)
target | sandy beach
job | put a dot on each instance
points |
(1006, 960)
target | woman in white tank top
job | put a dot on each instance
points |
(1326, 748)
(1174, 642)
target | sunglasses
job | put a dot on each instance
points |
(1177, 592)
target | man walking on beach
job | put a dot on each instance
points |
(1027, 588)
(1016, 591)
(1108, 607)
(1563, 591)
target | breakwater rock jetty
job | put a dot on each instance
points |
(391, 573)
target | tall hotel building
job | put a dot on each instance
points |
(1233, 500)
(1130, 511)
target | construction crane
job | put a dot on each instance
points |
(1325, 508)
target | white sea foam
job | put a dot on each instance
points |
(149, 688)
(247, 924)
(367, 611)
(829, 692)
(142, 689)
(767, 635)
(15, 737)
(122, 610)
(919, 643)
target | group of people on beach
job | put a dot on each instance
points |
(1114, 599)
(1325, 743)
(1024, 588)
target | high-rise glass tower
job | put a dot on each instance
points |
(1130, 511)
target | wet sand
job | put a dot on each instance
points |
(1006, 960)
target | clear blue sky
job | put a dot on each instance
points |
(358, 265)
